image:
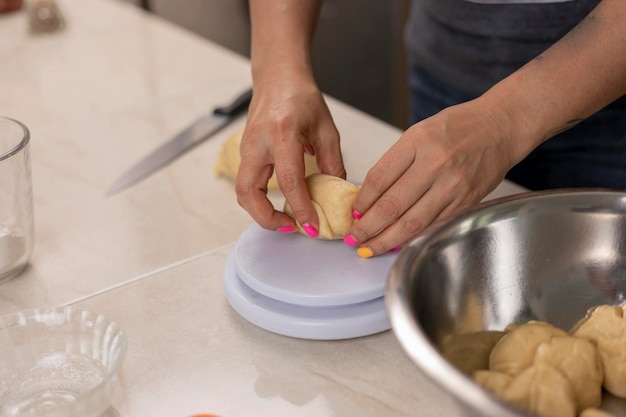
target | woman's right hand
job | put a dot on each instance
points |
(287, 118)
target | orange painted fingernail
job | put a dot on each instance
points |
(364, 252)
(310, 230)
(286, 229)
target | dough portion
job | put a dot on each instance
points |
(332, 198)
(606, 327)
(542, 390)
(516, 350)
(550, 372)
(469, 352)
(229, 159)
(495, 382)
(578, 360)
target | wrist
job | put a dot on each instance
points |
(523, 119)
(283, 78)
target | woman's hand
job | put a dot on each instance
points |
(288, 117)
(438, 167)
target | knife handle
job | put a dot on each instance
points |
(237, 106)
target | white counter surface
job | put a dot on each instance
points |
(99, 95)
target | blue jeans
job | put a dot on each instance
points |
(591, 154)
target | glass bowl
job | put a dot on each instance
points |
(59, 361)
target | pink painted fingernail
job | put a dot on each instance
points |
(356, 215)
(310, 230)
(395, 249)
(350, 240)
(286, 229)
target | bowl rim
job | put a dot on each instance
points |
(411, 335)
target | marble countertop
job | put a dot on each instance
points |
(97, 96)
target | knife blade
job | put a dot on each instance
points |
(200, 130)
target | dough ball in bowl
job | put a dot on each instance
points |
(516, 350)
(605, 326)
(332, 199)
(543, 391)
(578, 360)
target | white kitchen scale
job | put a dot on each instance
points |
(305, 288)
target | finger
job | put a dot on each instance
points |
(329, 158)
(392, 166)
(431, 206)
(290, 173)
(446, 198)
(330, 161)
(389, 207)
(251, 190)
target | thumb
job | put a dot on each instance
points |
(329, 159)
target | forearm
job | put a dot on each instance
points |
(282, 32)
(576, 77)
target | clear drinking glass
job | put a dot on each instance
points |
(16, 198)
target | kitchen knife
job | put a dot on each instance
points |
(200, 130)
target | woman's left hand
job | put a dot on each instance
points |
(438, 166)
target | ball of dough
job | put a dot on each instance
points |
(229, 159)
(554, 374)
(492, 381)
(542, 390)
(469, 352)
(332, 198)
(606, 326)
(579, 361)
(516, 350)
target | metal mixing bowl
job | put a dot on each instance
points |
(545, 256)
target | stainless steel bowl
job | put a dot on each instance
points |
(545, 256)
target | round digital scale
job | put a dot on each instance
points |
(305, 288)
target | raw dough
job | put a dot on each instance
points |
(469, 352)
(543, 391)
(578, 360)
(516, 350)
(332, 199)
(229, 158)
(606, 326)
(492, 381)
(552, 373)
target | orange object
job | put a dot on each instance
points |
(365, 252)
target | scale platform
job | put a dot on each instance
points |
(300, 287)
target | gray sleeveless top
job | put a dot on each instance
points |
(471, 45)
